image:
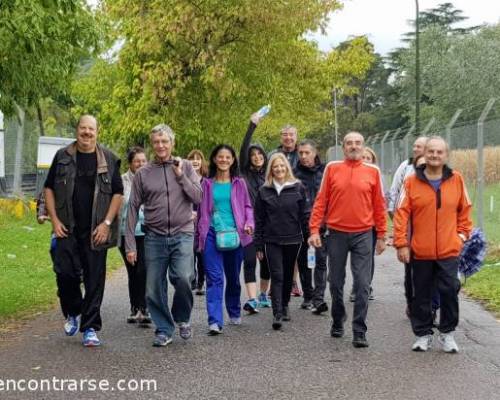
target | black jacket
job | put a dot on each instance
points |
(64, 185)
(283, 218)
(310, 177)
(253, 177)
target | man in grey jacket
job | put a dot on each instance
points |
(405, 169)
(167, 187)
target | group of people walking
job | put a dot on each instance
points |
(262, 209)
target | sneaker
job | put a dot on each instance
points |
(251, 306)
(264, 301)
(132, 318)
(306, 305)
(143, 317)
(214, 330)
(286, 314)
(337, 329)
(185, 330)
(296, 292)
(277, 322)
(423, 343)
(359, 340)
(320, 308)
(352, 297)
(448, 342)
(90, 338)
(199, 291)
(235, 321)
(72, 325)
(161, 340)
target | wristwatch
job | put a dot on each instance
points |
(107, 222)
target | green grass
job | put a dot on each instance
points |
(27, 282)
(485, 287)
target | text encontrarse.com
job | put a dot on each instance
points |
(77, 385)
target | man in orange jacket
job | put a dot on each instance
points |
(350, 202)
(436, 204)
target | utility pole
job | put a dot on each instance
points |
(417, 70)
(336, 124)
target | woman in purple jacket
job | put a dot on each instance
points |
(225, 206)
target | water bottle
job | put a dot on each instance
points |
(311, 257)
(264, 111)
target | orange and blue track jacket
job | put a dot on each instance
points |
(437, 217)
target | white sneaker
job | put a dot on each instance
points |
(423, 343)
(448, 342)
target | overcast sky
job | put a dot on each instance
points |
(385, 20)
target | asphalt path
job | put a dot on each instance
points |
(252, 361)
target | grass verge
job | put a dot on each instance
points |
(27, 281)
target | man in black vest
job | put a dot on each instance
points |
(83, 193)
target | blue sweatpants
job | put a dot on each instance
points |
(217, 265)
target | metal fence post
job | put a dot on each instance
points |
(480, 162)
(382, 151)
(428, 126)
(406, 142)
(450, 125)
(393, 150)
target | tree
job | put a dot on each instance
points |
(42, 43)
(204, 66)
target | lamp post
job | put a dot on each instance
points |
(417, 70)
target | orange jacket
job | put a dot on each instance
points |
(437, 217)
(350, 199)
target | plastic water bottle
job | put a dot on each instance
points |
(311, 257)
(264, 111)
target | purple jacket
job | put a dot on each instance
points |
(242, 211)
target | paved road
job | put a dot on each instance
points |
(252, 361)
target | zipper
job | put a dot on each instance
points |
(168, 200)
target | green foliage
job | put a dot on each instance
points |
(42, 42)
(204, 66)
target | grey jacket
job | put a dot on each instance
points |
(168, 200)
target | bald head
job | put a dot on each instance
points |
(436, 152)
(418, 146)
(353, 145)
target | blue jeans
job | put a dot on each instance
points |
(172, 254)
(217, 264)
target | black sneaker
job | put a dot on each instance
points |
(359, 340)
(132, 318)
(286, 315)
(320, 308)
(337, 329)
(143, 317)
(277, 322)
(306, 305)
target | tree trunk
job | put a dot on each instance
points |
(18, 173)
(40, 119)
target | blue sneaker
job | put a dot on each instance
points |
(72, 325)
(264, 301)
(90, 338)
(161, 340)
(251, 306)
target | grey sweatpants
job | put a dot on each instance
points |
(360, 245)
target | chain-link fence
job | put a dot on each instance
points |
(475, 152)
(19, 139)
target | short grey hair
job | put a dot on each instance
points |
(163, 129)
(288, 127)
(439, 139)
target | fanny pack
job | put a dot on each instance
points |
(226, 239)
